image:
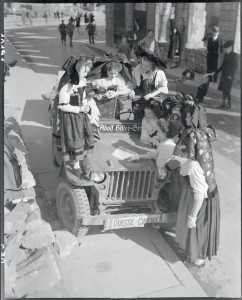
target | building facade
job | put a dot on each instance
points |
(193, 20)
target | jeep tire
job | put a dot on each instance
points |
(72, 206)
(56, 155)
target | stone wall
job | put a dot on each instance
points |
(196, 59)
(181, 22)
(164, 47)
(151, 16)
(129, 13)
(109, 24)
(32, 250)
(228, 19)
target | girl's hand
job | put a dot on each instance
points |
(98, 97)
(84, 109)
(191, 222)
(155, 143)
(133, 158)
(147, 97)
(111, 94)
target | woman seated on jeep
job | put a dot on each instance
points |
(114, 78)
(148, 78)
(113, 75)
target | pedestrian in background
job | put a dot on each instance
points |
(46, 17)
(214, 49)
(24, 18)
(124, 47)
(86, 20)
(70, 27)
(78, 20)
(27, 16)
(62, 30)
(150, 43)
(30, 19)
(91, 17)
(58, 14)
(91, 30)
(228, 68)
(130, 37)
(174, 47)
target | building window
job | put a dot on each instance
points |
(140, 6)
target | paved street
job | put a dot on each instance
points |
(115, 257)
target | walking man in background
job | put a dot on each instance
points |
(70, 27)
(91, 30)
(62, 30)
(214, 48)
(228, 68)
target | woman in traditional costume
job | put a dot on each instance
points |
(198, 219)
(71, 125)
(149, 78)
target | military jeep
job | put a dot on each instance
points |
(121, 194)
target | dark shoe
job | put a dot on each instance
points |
(220, 106)
(228, 106)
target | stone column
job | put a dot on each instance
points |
(196, 25)
(165, 12)
(129, 15)
(237, 33)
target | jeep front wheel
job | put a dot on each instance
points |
(72, 206)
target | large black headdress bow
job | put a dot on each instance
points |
(99, 67)
(143, 51)
(70, 67)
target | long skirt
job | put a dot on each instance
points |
(202, 241)
(69, 136)
(225, 84)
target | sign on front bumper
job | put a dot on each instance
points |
(132, 221)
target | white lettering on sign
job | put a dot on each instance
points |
(2, 47)
(120, 128)
(135, 221)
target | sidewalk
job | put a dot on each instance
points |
(173, 278)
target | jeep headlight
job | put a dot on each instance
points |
(98, 177)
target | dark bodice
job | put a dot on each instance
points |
(76, 97)
(146, 86)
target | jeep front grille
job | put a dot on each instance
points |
(130, 185)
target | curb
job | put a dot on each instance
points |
(179, 270)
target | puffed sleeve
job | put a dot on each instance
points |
(161, 81)
(136, 75)
(196, 176)
(164, 152)
(145, 138)
(155, 154)
(64, 100)
(121, 84)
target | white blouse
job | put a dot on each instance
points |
(189, 167)
(106, 83)
(149, 126)
(160, 80)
